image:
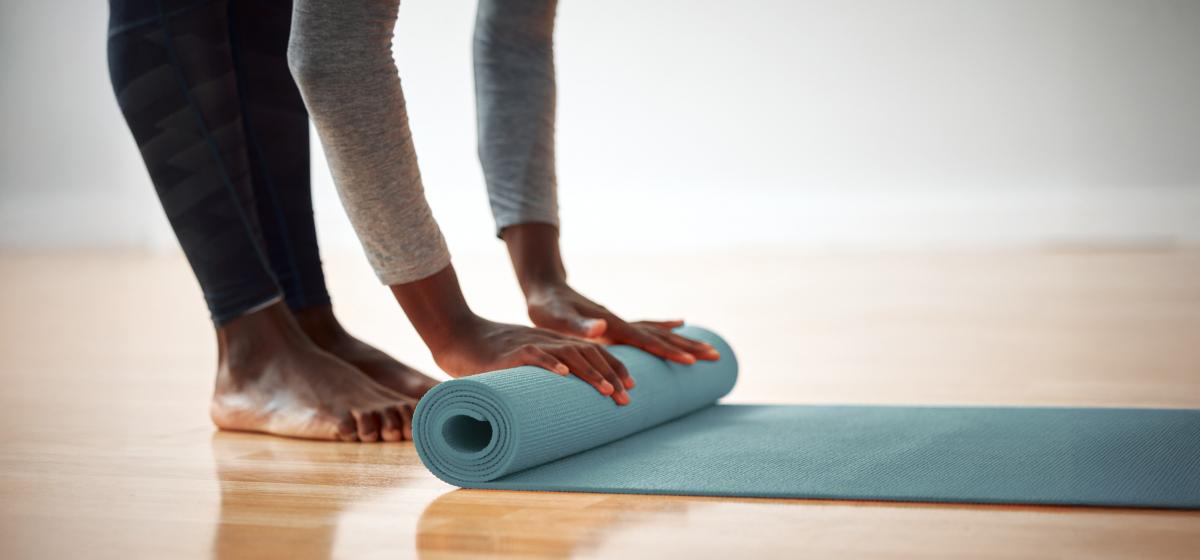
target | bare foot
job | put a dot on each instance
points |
(271, 378)
(324, 329)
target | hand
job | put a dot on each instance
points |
(558, 307)
(480, 345)
(463, 343)
(553, 305)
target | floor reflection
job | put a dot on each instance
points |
(281, 494)
(546, 524)
(543, 524)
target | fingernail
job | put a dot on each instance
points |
(606, 388)
(687, 358)
(621, 399)
(629, 384)
(562, 369)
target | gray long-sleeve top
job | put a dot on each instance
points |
(340, 56)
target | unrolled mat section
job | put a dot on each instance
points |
(529, 429)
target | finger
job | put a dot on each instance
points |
(672, 352)
(597, 318)
(623, 378)
(582, 369)
(392, 424)
(647, 340)
(596, 359)
(588, 327)
(534, 356)
(569, 320)
(368, 425)
(700, 349)
(663, 324)
(622, 371)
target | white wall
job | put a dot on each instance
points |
(706, 124)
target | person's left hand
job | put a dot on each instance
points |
(558, 307)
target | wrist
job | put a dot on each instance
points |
(536, 258)
(539, 287)
(436, 308)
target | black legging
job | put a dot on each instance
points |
(206, 91)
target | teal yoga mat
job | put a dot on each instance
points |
(528, 429)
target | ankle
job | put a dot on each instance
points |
(321, 326)
(246, 343)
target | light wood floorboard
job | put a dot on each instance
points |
(106, 364)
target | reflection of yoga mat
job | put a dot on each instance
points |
(528, 429)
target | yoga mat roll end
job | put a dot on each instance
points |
(480, 428)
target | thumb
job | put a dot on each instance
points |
(587, 327)
(568, 320)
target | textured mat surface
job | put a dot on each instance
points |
(528, 429)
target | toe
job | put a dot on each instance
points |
(368, 425)
(347, 428)
(406, 414)
(392, 425)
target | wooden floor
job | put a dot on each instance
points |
(106, 362)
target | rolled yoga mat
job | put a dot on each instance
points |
(528, 429)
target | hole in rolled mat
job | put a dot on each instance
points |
(467, 434)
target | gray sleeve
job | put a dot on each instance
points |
(341, 58)
(514, 93)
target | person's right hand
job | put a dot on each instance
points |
(479, 345)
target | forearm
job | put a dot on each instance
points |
(341, 59)
(536, 259)
(515, 98)
(436, 307)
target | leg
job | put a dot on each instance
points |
(515, 102)
(276, 128)
(172, 72)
